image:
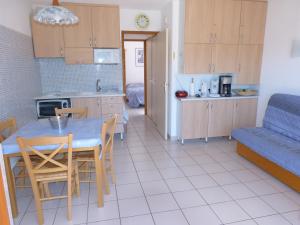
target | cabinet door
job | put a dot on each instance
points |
(106, 27)
(47, 40)
(220, 118)
(79, 35)
(79, 56)
(245, 113)
(93, 105)
(197, 58)
(249, 64)
(225, 58)
(253, 20)
(194, 119)
(227, 21)
(198, 21)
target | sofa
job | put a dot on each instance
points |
(275, 147)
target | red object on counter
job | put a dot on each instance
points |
(181, 94)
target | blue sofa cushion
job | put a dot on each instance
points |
(283, 115)
(282, 150)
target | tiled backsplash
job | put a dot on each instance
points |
(58, 77)
(19, 76)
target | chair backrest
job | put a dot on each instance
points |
(77, 113)
(7, 128)
(283, 115)
(48, 163)
(108, 132)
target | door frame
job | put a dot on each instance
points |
(152, 33)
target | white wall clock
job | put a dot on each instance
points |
(142, 21)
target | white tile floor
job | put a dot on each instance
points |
(165, 183)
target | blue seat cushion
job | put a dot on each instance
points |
(282, 150)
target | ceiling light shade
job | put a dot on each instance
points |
(56, 15)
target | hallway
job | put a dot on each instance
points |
(164, 183)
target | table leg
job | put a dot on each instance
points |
(11, 187)
(99, 174)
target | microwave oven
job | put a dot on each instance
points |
(46, 108)
(107, 56)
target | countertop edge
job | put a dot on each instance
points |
(214, 99)
(78, 96)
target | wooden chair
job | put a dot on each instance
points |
(50, 170)
(7, 128)
(107, 136)
(77, 113)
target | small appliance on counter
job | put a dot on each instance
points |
(181, 94)
(46, 108)
(225, 82)
(192, 88)
(204, 89)
(214, 88)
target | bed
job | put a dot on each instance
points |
(135, 94)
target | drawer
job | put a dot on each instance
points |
(109, 116)
(112, 109)
(113, 99)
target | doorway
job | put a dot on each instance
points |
(135, 69)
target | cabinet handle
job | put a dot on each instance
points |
(215, 41)
(214, 68)
(95, 42)
(211, 38)
(90, 42)
(61, 52)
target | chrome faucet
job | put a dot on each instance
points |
(98, 85)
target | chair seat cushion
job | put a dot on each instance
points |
(282, 150)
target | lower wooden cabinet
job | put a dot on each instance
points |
(220, 118)
(194, 116)
(104, 107)
(214, 118)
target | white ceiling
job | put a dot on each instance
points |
(127, 4)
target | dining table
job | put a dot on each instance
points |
(86, 138)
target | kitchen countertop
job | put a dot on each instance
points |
(218, 98)
(60, 95)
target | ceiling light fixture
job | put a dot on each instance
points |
(56, 14)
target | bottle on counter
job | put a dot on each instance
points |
(192, 88)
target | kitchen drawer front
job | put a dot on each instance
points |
(113, 99)
(110, 115)
(112, 108)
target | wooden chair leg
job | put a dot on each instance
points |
(38, 203)
(69, 183)
(77, 181)
(106, 182)
(112, 169)
(47, 190)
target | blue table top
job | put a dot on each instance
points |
(86, 134)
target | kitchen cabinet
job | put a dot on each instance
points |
(79, 35)
(253, 20)
(198, 58)
(224, 58)
(227, 21)
(249, 64)
(47, 40)
(220, 118)
(194, 119)
(106, 26)
(204, 118)
(79, 56)
(245, 111)
(198, 21)
(93, 104)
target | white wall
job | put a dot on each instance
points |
(15, 14)
(128, 19)
(134, 74)
(280, 72)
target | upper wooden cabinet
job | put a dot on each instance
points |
(47, 40)
(199, 21)
(80, 34)
(98, 27)
(253, 21)
(227, 21)
(249, 64)
(224, 58)
(79, 56)
(106, 27)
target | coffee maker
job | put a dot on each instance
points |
(225, 82)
